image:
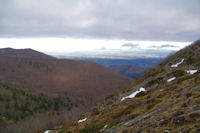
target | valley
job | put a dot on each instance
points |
(131, 68)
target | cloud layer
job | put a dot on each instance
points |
(168, 20)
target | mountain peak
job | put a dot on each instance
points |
(24, 53)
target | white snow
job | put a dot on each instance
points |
(50, 131)
(167, 131)
(191, 71)
(103, 128)
(82, 120)
(177, 64)
(169, 80)
(133, 94)
(161, 90)
(47, 131)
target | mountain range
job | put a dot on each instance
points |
(164, 100)
(38, 87)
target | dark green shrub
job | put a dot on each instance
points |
(152, 82)
(1, 98)
(92, 128)
(178, 73)
(95, 111)
(14, 96)
(142, 93)
(110, 96)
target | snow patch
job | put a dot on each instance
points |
(161, 90)
(47, 131)
(133, 94)
(103, 128)
(50, 131)
(82, 120)
(191, 71)
(166, 131)
(171, 79)
(177, 64)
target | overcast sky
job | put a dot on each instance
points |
(128, 20)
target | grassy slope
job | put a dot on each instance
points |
(166, 107)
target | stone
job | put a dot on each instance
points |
(194, 89)
(112, 131)
(131, 117)
(194, 114)
(180, 119)
(132, 122)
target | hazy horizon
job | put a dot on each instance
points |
(100, 27)
(97, 48)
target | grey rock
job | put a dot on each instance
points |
(131, 117)
(161, 122)
(197, 129)
(132, 122)
(194, 89)
(193, 106)
(180, 119)
(112, 131)
(168, 107)
(194, 112)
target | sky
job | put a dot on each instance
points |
(63, 26)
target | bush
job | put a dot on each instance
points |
(177, 73)
(95, 111)
(92, 128)
(1, 98)
(142, 93)
(110, 96)
(152, 82)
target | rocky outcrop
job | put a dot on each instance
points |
(132, 122)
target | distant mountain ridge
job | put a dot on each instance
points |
(24, 53)
(132, 68)
(138, 62)
(130, 71)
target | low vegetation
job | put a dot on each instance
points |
(17, 105)
(165, 107)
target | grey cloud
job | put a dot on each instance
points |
(130, 45)
(107, 49)
(168, 46)
(163, 46)
(167, 20)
